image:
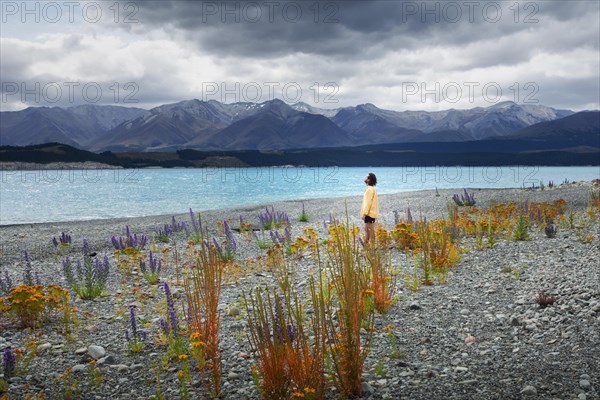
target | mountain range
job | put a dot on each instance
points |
(275, 125)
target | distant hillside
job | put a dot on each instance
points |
(401, 154)
(76, 126)
(271, 125)
(477, 123)
(581, 129)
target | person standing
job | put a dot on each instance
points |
(369, 211)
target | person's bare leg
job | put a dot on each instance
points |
(370, 232)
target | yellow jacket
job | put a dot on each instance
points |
(370, 205)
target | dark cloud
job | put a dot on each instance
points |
(368, 48)
(330, 27)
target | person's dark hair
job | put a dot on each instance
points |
(372, 179)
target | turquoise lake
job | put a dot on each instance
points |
(84, 194)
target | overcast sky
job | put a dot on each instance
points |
(398, 55)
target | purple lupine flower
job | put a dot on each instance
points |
(164, 326)
(290, 332)
(100, 272)
(143, 266)
(65, 238)
(465, 199)
(90, 275)
(175, 226)
(188, 315)
(230, 243)
(194, 223)
(284, 219)
(132, 321)
(455, 232)
(470, 198)
(279, 329)
(9, 362)
(115, 243)
(524, 206)
(361, 241)
(131, 241)
(28, 277)
(155, 264)
(68, 271)
(265, 218)
(288, 234)
(85, 249)
(217, 245)
(172, 313)
(143, 241)
(79, 269)
(550, 229)
(5, 284)
(457, 200)
(396, 217)
(409, 217)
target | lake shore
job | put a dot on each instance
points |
(518, 349)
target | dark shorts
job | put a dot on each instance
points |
(369, 220)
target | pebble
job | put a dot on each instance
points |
(585, 384)
(96, 352)
(121, 367)
(81, 351)
(529, 391)
(79, 368)
(233, 375)
(415, 305)
(367, 388)
(43, 347)
(106, 360)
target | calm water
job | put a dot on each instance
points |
(67, 195)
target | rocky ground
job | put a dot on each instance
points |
(481, 335)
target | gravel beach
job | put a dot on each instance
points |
(481, 335)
